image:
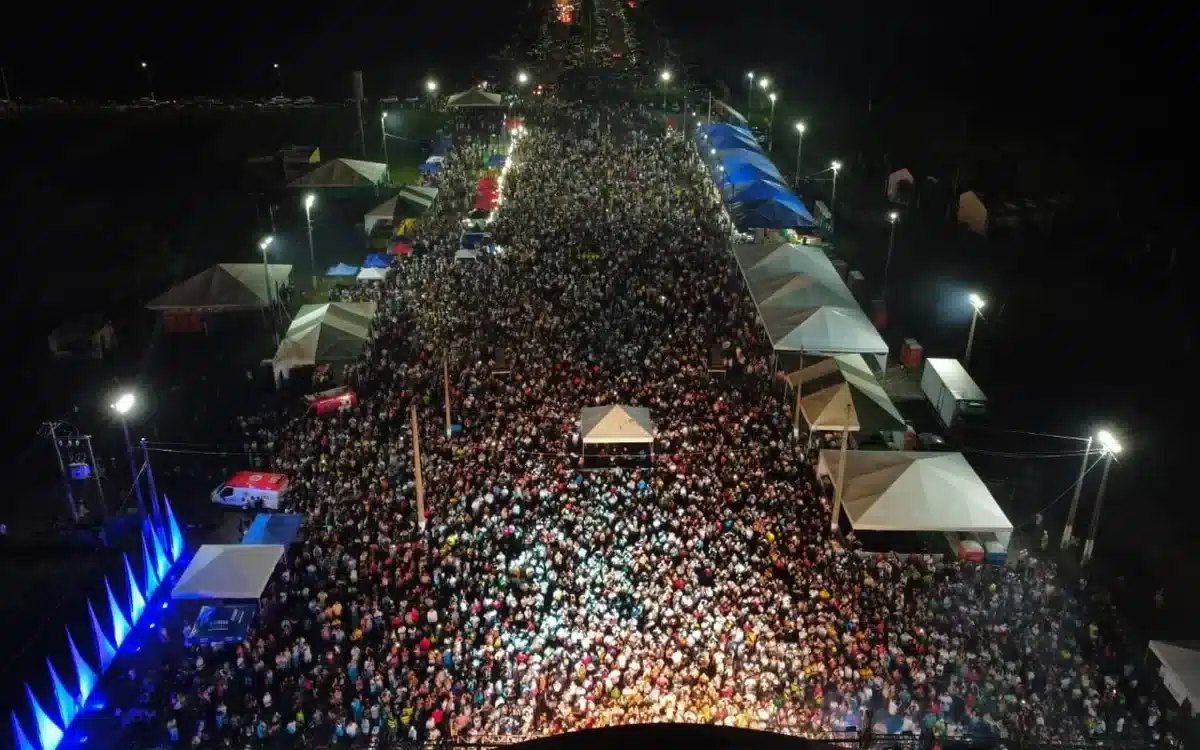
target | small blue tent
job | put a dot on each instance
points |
(377, 260)
(430, 168)
(743, 173)
(734, 158)
(274, 528)
(732, 138)
(761, 190)
(342, 269)
(497, 160)
(475, 240)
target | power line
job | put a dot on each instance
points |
(1033, 433)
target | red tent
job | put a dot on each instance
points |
(487, 183)
(487, 195)
(510, 124)
(401, 249)
(485, 204)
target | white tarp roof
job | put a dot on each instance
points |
(344, 173)
(956, 379)
(829, 386)
(465, 254)
(225, 287)
(473, 98)
(422, 195)
(385, 211)
(228, 571)
(616, 424)
(764, 260)
(372, 274)
(327, 332)
(822, 330)
(1180, 671)
(914, 491)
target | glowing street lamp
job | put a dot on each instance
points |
(309, 200)
(1110, 447)
(665, 77)
(800, 128)
(123, 405)
(749, 90)
(431, 87)
(522, 78)
(977, 304)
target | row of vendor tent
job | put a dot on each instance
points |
(841, 393)
(755, 192)
(344, 173)
(420, 197)
(914, 491)
(325, 333)
(225, 287)
(366, 273)
(804, 304)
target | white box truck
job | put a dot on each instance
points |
(951, 391)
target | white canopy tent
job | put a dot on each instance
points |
(421, 195)
(465, 254)
(766, 260)
(384, 212)
(225, 287)
(372, 274)
(229, 571)
(616, 424)
(473, 98)
(914, 491)
(344, 173)
(841, 393)
(1180, 671)
(322, 333)
(824, 330)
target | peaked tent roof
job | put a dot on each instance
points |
(1181, 671)
(421, 195)
(372, 273)
(225, 287)
(731, 137)
(344, 173)
(474, 98)
(385, 211)
(799, 291)
(786, 212)
(823, 330)
(616, 424)
(228, 571)
(328, 332)
(762, 261)
(764, 189)
(829, 386)
(740, 173)
(914, 491)
(342, 269)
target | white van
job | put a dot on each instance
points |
(249, 489)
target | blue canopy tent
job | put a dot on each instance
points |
(223, 623)
(771, 214)
(274, 528)
(762, 190)
(430, 168)
(342, 269)
(475, 240)
(731, 159)
(733, 138)
(497, 160)
(377, 260)
(743, 173)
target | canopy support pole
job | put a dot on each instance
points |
(799, 388)
(841, 477)
(420, 481)
(446, 389)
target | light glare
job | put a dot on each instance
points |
(124, 403)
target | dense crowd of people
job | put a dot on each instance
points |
(701, 584)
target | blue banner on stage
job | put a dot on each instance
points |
(222, 624)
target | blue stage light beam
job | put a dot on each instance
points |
(20, 740)
(49, 733)
(137, 604)
(152, 580)
(67, 705)
(173, 534)
(104, 646)
(161, 563)
(121, 626)
(83, 670)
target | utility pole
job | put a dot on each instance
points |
(446, 390)
(87, 440)
(158, 516)
(48, 429)
(420, 481)
(799, 388)
(841, 477)
(1069, 529)
(7, 93)
(709, 108)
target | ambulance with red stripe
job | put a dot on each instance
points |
(252, 490)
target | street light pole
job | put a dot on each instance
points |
(800, 128)
(893, 217)
(749, 93)
(976, 305)
(149, 79)
(764, 83)
(666, 79)
(122, 407)
(383, 137)
(771, 124)
(279, 79)
(1069, 529)
(1111, 447)
(836, 167)
(309, 200)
